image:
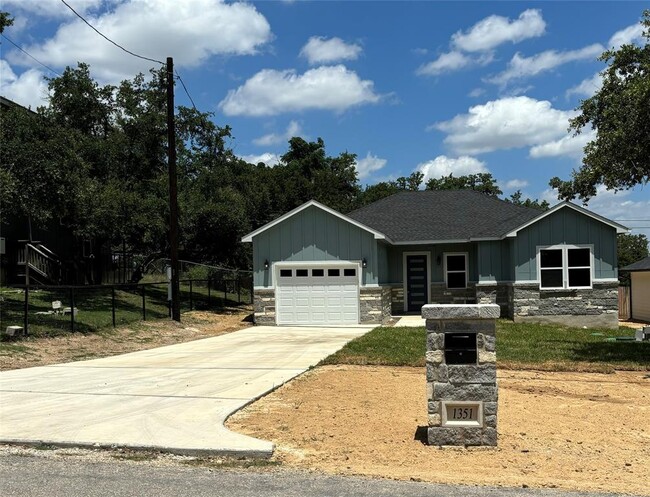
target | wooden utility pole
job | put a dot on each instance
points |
(173, 194)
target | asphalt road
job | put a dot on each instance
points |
(29, 476)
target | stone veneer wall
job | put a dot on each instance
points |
(597, 307)
(397, 300)
(264, 306)
(497, 293)
(461, 382)
(375, 304)
(440, 294)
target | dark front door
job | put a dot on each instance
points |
(417, 292)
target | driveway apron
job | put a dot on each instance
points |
(173, 398)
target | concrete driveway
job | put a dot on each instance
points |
(173, 398)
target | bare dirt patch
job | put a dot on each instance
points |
(136, 336)
(577, 431)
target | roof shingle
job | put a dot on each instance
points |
(441, 215)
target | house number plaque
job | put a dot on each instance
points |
(462, 413)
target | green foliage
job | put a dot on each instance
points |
(630, 248)
(384, 189)
(515, 198)
(619, 156)
(5, 21)
(480, 182)
(519, 346)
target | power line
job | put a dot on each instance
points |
(129, 51)
(108, 39)
(29, 55)
(186, 91)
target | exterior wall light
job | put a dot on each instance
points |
(266, 264)
(364, 262)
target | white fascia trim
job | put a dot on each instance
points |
(442, 242)
(619, 227)
(315, 263)
(249, 238)
(605, 280)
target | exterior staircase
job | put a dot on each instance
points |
(42, 265)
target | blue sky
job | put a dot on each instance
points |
(440, 87)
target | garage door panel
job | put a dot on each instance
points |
(325, 296)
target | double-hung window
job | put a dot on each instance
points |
(456, 270)
(565, 267)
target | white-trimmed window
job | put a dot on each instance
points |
(565, 267)
(456, 270)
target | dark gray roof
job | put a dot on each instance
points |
(442, 215)
(642, 265)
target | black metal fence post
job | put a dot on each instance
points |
(144, 308)
(113, 304)
(209, 283)
(72, 309)
(191, 297)
(238, 288)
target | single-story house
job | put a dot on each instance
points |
(314, 265)
(639, 289)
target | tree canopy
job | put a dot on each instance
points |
(619, 156)
(95, 162)
(630, 248)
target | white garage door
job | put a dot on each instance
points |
(317, 295)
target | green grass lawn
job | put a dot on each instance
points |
(95, 306)
(519, 346)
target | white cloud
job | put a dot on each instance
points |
(495, 30)
(511, 122)
(29, 89)
(626, 36)
(444, 166)
(293, 129)
(320, 50)
(267, 158)
(190, 31)
(368, 165)
(446, 62)
(453, 61)
(271, 92)
(523, 67)
(476, 92)
(568, 145)
(587, 87)
(516, 184)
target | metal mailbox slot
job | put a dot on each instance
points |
(460, 348)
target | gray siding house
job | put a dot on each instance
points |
(314, 265)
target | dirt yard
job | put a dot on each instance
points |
(577, 431)
(137, 336)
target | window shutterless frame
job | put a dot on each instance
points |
(453, 271)
(565, 267)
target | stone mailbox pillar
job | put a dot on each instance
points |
(461, 374)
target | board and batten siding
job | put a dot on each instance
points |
(313, 235)
(640, 295)
(495, 261)
(566, 226)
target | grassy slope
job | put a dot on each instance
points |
(519, 346)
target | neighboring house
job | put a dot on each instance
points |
(639, 289)
(314, 265)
